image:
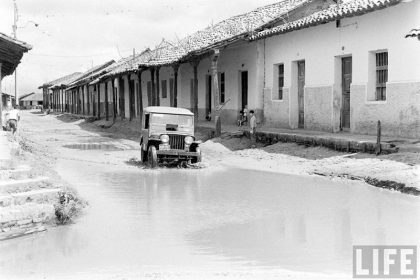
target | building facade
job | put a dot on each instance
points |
(315, 65)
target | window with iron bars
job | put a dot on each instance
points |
(381, 75)
(280, 78)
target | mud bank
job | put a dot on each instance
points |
(295, 159)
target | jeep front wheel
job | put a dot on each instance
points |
(143, 155)
(197, 158)
(152, 157)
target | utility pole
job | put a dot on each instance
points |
(16, 18)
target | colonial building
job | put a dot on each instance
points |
(300, 64)
(345, 68)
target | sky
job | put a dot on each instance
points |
(74, 35)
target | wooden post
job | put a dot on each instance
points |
(140, 98)
(175, 101)
(98, 85)
(215, 93)
(80, 101)
(378, 149)
(195, 90)
(157, 87)
(106, 102)
(152, 74)
(83, 100)
(77, 100)
(88, 99)
(114, 103)
(62, 100)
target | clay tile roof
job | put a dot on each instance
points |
(334, 12)
(33, 97)
(223, 32)
(124, 65)
(91, 74)
(62, 81)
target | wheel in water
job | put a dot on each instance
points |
(198, 158)
(152, 157)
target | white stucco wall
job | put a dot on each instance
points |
(359, 37)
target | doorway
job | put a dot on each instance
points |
(244, 89)
(346, 73)
(208, 93)
(301, 93)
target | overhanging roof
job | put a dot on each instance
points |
(11, 52)
(347, 8)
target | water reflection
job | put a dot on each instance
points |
(196, 219)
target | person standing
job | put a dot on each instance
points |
(253, 125)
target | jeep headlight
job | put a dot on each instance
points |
(164, 139)
(188, 140)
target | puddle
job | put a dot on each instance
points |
(95, 146)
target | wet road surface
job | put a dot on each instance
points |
(213, 220)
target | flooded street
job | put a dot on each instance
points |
(173, 222)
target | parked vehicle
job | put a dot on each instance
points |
(168, 136)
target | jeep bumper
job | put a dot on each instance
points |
(177, 153)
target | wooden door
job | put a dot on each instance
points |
(209, 82)
(121, 96)
(301, 94)
(244, 89)
(346, 81)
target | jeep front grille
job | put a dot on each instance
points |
(176, 141)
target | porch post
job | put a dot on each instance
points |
(140, 97)
(114, 103)
(77, 100)
(98, 85)
(215, 92)
(139, 91)
(121, 96)
(83, 100)
(175, 98)
(157, 86)
(62, 100)
(88, 99)
(53, 99)
(195, 89)
(152, 74)
(130, 98)
(106, 102)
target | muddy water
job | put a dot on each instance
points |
(211, 221)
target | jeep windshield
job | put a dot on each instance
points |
(170, 122)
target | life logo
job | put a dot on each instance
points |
(385, 262)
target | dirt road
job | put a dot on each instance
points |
(219, 222)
